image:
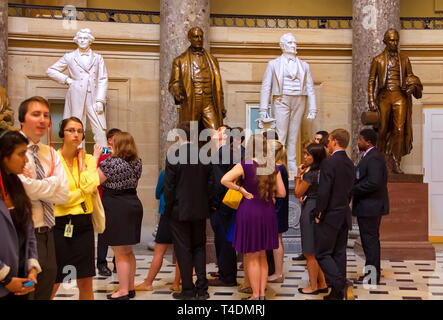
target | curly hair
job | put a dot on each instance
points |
(258, 149)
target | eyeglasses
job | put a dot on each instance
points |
(72, 131)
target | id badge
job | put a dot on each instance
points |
(69, 230)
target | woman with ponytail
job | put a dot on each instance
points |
(18, 249)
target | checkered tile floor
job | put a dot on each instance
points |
(401, 280)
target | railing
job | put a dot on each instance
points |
(217, 20)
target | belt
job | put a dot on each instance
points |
(43, 230)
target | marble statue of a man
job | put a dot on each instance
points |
(88, 82)
(288, 86)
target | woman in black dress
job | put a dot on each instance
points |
(306, 188)
(119, 175)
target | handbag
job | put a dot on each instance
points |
(98, 213)
(232, 198)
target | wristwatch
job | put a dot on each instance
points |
(6, 280)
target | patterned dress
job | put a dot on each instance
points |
(123, 209)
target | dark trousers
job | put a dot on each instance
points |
(102, 251)
(13, 297)
(330, 251)
(226, 255)
(48, 263)
(189, 239)
(370, 240)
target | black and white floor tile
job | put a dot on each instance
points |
(401, 280)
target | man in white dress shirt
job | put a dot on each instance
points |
(45, 183)
(288, 86)
(88, 83)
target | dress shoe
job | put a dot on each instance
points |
(183, 296)
(202, 295)
(277, 280)
(325, 290)
(125, 297)
(214, 274)
(334, 295)
(299, 258)
(104, 271)
(219, 283)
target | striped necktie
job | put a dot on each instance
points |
(48, 210)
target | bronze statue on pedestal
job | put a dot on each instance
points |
(196, 84)
(391, 84)
(6, 113)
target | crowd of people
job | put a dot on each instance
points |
(49, 200)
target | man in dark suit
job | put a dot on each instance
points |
(370, 201)
(188, 187)
(230, 151)
(333, 217)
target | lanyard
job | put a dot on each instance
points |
(71, 173)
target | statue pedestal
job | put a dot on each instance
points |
(404, 232)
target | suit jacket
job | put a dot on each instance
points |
(337, 176)
(9, 250)
(93, 76)
(272, 84)
(181, 77)
(370, 191)
(188, 186)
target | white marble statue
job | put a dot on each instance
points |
(88, 82)
(287, 86)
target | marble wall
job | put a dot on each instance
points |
(131, 53)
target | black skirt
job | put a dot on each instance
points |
(124, 214)
(164, 235)
(307, 227)
(75, 256)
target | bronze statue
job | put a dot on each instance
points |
(391, 84)
(196, 84)
(6, 113)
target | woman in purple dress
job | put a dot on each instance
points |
(256, 224)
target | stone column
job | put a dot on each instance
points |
(370, 20)
(3, 43)
(176, 18)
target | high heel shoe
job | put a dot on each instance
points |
(251, 298)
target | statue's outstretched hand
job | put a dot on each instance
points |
(99, 108)
(311, 115)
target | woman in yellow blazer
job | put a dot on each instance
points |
(74, 232)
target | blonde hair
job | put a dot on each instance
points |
(257, 147)
(281, 155)
(124, 147)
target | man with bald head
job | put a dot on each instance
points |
(391, 83)
(196, 84)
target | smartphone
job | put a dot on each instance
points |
(28, 284)
(106, 150)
